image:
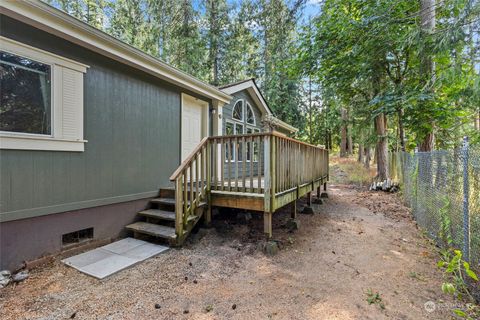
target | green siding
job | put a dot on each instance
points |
(131, 122)
(227, 109)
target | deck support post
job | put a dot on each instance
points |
(309, 199)
(267, 224)
(208, 214)
(318, 192)
(325, 186)
(294, 210)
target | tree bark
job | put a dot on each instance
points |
(350, 141)
(382, 147)
(401, 130)
(427, 65)
(360, 153)
(343, 133)
(368, 157)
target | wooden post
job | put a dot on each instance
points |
(318, 192)
(325, 186)
(267, 176)
(178, 207)
(267, 224)
(208, 214)
(294, 210)
(309, 199)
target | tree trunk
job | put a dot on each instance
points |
(360, 153)
(343, 133)
(427, 144)
(427, 65)
(350, 141)
(368, 157)
(382, 147)
(401, 130)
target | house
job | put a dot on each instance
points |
(248, 111)
(91, 130)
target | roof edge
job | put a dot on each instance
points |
(54, 21)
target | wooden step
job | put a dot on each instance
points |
(166, 201)
(153, 230)
(158, 214)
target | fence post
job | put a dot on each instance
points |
(466, 215)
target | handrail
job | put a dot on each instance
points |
(189, 159)
(266, 165)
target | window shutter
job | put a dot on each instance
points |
(72, 104)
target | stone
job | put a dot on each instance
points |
(307, 210)
(22, 275)
(318, 201)
(234, 306)
(5, 274)
(4, 282)
(271, 248)
(324, 195)
(157, 306)
(293, 224)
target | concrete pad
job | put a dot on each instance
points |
(123, 245)
(108, 266)
(144, 251)
(112, 258)
(87, 258)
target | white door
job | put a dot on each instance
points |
(193, 123)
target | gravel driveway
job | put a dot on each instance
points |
(357, 244)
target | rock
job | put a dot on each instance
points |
(157, 306)
(5, 278)
(271, 248)
(22, 275)
(5, 274)
(185, 311)
(208, 308)
(4, 282)
(195, 281)
(318, 201)
(324, 195)
(307, 210)
(234, 306)
(293, 224)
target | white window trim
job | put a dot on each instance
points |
(254, 130)
(243, 110)
(56, 140)
(253, 113)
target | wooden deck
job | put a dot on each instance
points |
(280, 171)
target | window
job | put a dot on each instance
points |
(237, 113)
(250, 115)
(41, 99)
(25, 95)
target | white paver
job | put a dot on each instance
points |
(112, 258)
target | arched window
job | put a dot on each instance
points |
(250, 115)
(237, 113)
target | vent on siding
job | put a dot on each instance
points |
(77, 236)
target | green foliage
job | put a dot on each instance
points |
(375, 298)
(456, 272)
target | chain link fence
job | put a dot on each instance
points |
(443, 190)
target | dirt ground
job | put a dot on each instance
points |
(356, 242)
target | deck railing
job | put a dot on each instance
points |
(269, 167)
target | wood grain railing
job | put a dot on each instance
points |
(192, 181)
(268, 165)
